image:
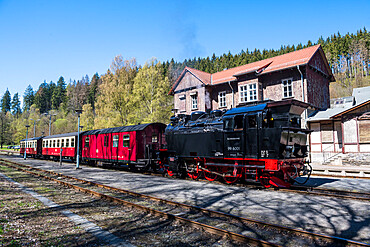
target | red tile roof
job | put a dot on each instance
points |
(268, 65)
(292, 59)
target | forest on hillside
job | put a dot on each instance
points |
(131, 94)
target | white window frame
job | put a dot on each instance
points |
(252, 92)
(194, 101)
(247, 93)
(287, 86)
(222, 99)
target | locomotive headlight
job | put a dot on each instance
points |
(289, 148)
(288, 151)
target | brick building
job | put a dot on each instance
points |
(303, 75)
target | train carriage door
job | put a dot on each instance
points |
(115, 145)
(251, 138)
(233, 141)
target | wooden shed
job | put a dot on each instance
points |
(338, 132)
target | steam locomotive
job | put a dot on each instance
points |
(262, 142)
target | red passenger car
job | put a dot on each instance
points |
(52, 145)
(135, 145)
(32, 146)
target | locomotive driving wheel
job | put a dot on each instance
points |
(193, 171)
(209, 175)
(231, 176)
(265, 179)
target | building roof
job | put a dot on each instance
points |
(202, 76)
(361, 98)
(361, 94)
(285, 61)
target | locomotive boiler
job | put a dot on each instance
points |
(261, 142)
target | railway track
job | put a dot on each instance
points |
(242, 229)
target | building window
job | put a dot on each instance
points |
(194, 102)
(287, 88)
(126, 141)
(252, 92)
(248, 93)
(222, 99)
(115, 141)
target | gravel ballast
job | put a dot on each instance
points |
(344, 218)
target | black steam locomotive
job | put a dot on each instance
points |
(262, 142)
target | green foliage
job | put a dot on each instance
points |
(114, 106)
(16, 106)
(87, 117)
(6, 102)
(59, 94)
(150, 94)
(93, 90)
(28, 98)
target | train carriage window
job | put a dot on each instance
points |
(58, 143)
(87, 142)
(105, 141)
(115, 141)
(72, 142)
(252, 121)
(54, 142)
(67, 143)
(62, 143)
(126, 140)
(46, 143)
(43, 144)
(238, 122)
(228, 123)
(154, 138)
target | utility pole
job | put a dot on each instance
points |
(78, 111)
(25, 147)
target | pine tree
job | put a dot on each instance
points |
(59, 94)
(16, 106)
(28, 98)
(6, 102)
(93, 90)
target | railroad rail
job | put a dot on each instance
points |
(343, 194)
(190, 217)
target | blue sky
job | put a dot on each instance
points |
(43, 40)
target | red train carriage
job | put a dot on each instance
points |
(52, 145)
(32, 146)
(136, 145)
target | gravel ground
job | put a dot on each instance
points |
(343, 218)
(26, 221)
